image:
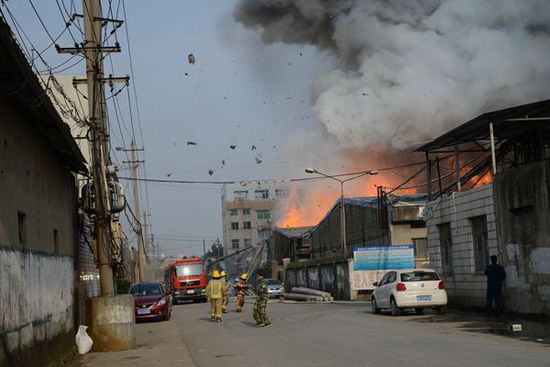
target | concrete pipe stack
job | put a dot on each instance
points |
(308, 295)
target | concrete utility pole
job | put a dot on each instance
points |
(96, 103)
(110, 330)
(141, 259)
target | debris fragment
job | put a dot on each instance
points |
(253, 147)
(258, 160)
(210, 172)
(169, 174)
(223, 163)
(233, 147)
(186, 74)
(191, 59)
(191, 143)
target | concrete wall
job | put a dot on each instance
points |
(37, 276)
(465, 286)
(331, 277)
(36, 306)
(523, 212)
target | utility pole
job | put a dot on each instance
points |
(203, 248)
(99, 143)
(109, 330)
(141, 263)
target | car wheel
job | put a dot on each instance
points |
(395, 310)
(441, 310)
(374, 306)
(419, 311)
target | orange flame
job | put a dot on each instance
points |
(478, 181)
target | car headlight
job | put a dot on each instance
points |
(162, 302)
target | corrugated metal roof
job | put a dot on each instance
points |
(293, 232)
(478, 128)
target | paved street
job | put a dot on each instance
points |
(347, 335)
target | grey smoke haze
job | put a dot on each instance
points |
(409, 70)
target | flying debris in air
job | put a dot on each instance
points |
(169, 174)
(233, 147)
(191, 59)
(186, 74)
(223, 164)
(258, 160)
(210, 172)
(253, 147)
(191, 143)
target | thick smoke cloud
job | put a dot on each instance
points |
(409, 70)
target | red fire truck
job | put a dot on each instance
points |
(186, 279)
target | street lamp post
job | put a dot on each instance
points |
(342, 206)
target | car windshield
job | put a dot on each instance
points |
(188, 270)
(152, 289)
(419, 276)
(273, 282)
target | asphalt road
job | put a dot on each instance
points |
(344, 335)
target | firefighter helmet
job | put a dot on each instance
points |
(244, 276)
(216, 274)
(223, 273)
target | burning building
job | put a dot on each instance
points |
(509, 216)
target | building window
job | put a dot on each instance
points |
(247, 242)
(240, 195)
(247, 225)
(246, 211)
(420, 248)
(479, 237)
(446, 243)
(261, 194)
(281, 193)
(22, 227)
(56, 241)
(234, 244)
(233, 212)
(234, 225)
(263, 214)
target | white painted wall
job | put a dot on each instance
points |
(36, 297)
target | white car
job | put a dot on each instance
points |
(417, 288)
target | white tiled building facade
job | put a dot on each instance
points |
(461, 237)
(248, 213)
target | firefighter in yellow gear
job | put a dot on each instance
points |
(215, 291)
(226, 288)
(241, 288)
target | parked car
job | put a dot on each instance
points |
(152, 301)
(402, 289)
(275, 288)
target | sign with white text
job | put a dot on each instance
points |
(383, 257)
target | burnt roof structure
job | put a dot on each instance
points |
(20, 85)
(492, 142)
(507, 123)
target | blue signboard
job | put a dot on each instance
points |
(383, 257)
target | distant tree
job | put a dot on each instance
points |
(216, 250)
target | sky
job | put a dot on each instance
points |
(239, 92)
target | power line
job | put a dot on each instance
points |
(301, 179)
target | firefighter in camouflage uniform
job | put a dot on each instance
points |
(260, 314)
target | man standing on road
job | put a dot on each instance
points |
(215, 292)
(260, 314)
(495, 277)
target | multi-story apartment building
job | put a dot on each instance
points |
(248, 213)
